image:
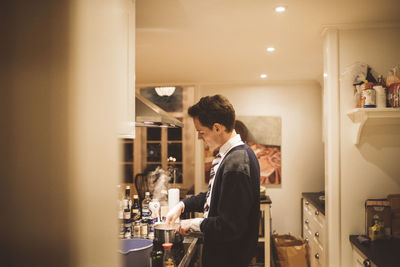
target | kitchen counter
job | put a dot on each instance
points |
(383, 253)
(313, 198)
(265, 200)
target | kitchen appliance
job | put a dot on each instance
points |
(149, 114)
(165, 234)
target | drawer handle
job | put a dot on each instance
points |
(316, 234)
(316, 212)
(367, 263)
(317, 256)
(307, 203)
(307, 221)
(306, 239)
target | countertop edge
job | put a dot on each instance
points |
(267, 200)
(313, 198)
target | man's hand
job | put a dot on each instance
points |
(185, 227)
(174, 214)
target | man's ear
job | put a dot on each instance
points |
(218, 127)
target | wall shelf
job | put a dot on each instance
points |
(380, 116)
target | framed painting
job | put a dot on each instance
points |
(263, 135)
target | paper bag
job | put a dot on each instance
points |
(290, 251)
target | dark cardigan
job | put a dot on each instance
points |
(231, 229)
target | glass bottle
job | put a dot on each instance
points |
(168, 258)
(145, 207)
(136, 209)
(126, 200)
(157, 256)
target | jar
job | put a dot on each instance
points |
(136, 229)
(394, 95)
(150, 228)
(369, 96)
(380, 96)
(143, 230)
(127, 229)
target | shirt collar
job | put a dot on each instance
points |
(231, 143)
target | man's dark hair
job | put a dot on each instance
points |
(214, 109)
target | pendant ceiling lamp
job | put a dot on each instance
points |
(165, 91)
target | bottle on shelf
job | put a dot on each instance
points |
(127, 229)
(136, 229)
(127, 198)
(150, 229)
(135, 209)
(146, 213)
(380, 90)
(154, 207)
(168, 258)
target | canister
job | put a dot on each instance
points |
(380, 96)
(369, 96)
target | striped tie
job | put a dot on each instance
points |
(215, 162)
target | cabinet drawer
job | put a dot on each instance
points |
(313, 227)
(318, 233)
(308, 208)
(359, 259)
(319, 218)
(317, 257)
(314, 233)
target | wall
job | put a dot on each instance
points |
(299, 106)
(369, 170)
(65, 64)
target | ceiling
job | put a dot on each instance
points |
(225, 41)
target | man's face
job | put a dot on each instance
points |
(209, 136)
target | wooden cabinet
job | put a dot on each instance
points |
(314, 233)
(266, 212)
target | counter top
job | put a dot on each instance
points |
(313, 198)
(265, 200)
(383, 253)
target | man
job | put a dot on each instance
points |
(231, 204)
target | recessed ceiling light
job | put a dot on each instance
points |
(271, 49)
(280, 9)
(263, 76)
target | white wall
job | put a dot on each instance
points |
(300, 107)
(371, 169)
(65, 64)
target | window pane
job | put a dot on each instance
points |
(154, 152)
(175, 151)
(178, 168)
(128, 152)
(151, 167)
(175, 134)
(153, 134)
(128, 173)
